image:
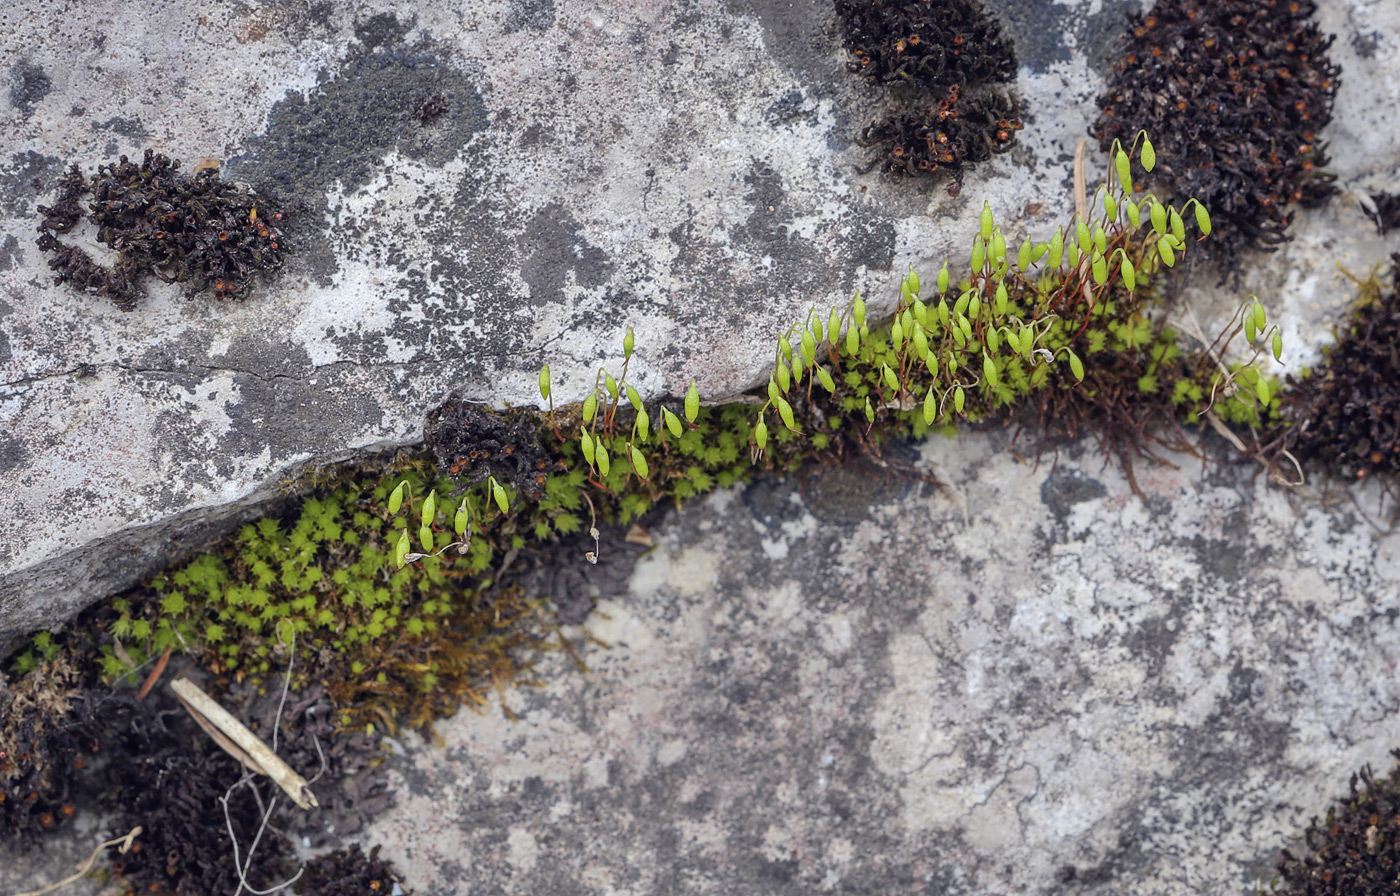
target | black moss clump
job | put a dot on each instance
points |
(929, 44)
(197, 230)
(1346, 415)
(184, 847)
(938, 56)
(472, 443)
(1355, 851)
(1235, 95)
(948, 136)
(348, 871)
(345, 767)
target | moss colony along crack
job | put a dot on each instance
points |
(938, 58)
(197, 230)
(401, 591)
(1239, 92)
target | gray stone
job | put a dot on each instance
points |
(1031, 681)
(686, 169)
(1028, 681)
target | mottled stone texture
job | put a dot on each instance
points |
(688, 169)
(685, 168)
(1028, 682)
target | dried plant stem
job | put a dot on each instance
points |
(265, 760)
(155, 673)
(1081, 189)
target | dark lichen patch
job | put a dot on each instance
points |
(1045, 34)
(12, 451)
(26, 177)
(939, 58)
(532, 15)
(552, 248)
(356, 118)
(1237, 94)
(844, 494)
(1345, 415)
(29, 84)
(11, 255)
(130, 128)
(1354, 850)
(383, 30)
(1061, 491)
(197, 230)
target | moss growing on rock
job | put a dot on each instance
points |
(1061, 331)
(1345, 414)
(1238, 93)
(939, 60)
(1354, 850)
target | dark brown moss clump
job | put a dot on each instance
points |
(1355, 851)
(1234, 95)
(348, 871)
(938, 55)
(471, 443)
(47, 740)
(184, 843)
(197, 230)
(1346, 415)
(925, 43)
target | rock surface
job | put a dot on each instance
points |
(686, 169)
(1027, 681)
(1030, 682)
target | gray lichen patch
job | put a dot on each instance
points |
(28, 85)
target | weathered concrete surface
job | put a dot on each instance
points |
(1032, 682)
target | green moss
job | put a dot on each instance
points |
(1066, 332)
